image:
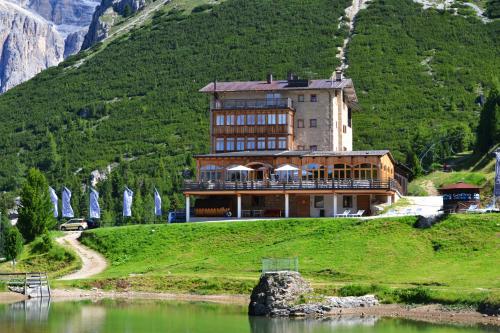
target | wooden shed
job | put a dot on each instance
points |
(460, 196)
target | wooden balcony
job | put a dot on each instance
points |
(318, 185)
(252, 130)
(247, 104)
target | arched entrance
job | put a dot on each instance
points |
(262, 171)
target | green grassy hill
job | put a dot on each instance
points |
(134, 101)
(455, 259)
(477, 169)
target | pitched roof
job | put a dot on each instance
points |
(277, 85)
(300, 153)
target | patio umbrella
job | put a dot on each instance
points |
(240, 168)
(287, 168)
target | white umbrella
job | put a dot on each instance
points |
(287, 167)
(240, 168)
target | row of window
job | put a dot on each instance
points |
(260, 143)
(309, 172)
(319, 201)
(313, 123)
(301, 98)
(251, 119)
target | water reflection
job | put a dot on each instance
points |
(33, 309)
(302, 325)
(148, 316)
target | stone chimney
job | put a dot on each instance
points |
(338, 75)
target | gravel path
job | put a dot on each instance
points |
(92, 262)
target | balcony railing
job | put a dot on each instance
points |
(340, 184)
(274, 103)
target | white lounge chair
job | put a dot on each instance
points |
(473, 209)
(358, 214)
(408, 211)
(392, 212)
(418, 211)
(344, 214)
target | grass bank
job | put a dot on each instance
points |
(453, 262)
(42, 255)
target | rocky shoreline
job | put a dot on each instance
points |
(287, 294)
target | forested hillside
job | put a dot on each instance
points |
(134, 102)
(419, 75)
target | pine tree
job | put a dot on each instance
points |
(13, 243)
(488, 130)
(35, 213)
(414, 164)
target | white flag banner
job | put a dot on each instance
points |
(127, 202)
(497, 175)
(157, 203)
(67, 211)
(95, 209)
(54, 199)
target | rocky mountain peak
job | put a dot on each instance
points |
(37, 34)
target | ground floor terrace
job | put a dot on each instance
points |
(292, 183)
(287, 204)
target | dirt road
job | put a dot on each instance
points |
(92, 262)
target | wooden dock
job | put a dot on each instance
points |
(31, 284)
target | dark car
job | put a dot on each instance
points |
(93, 223)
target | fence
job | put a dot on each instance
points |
(280, 264)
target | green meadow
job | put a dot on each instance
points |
(455, 261)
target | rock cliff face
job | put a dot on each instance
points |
(37, 34)
(105, 16)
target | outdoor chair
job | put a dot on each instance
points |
(408, 211)
(418, 211)
(345, 213)
(392, 212)
(473, 209)
(358, 214)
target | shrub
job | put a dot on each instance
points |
(202, 8)
(42, 244)
(358, 290)
(416, 295)
(13, 243)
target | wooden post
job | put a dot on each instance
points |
(287, 205)
(187, 208)
(334, 204)
(238, 197)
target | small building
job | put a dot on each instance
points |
(460, 196)
(284, 148)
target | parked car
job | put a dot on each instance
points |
(74, 224)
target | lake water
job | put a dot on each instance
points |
(142, 316)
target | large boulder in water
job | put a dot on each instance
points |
(276, 293)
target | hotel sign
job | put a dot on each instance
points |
(461, 196)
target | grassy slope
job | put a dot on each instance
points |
(468, 168)
(458, 255)
(57, 262)
(405, 102)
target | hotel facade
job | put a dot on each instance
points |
(283, 148)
